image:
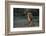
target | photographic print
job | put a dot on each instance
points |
(25, 17)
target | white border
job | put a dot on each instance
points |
(25, 28)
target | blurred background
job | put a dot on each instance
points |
(20, 17)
